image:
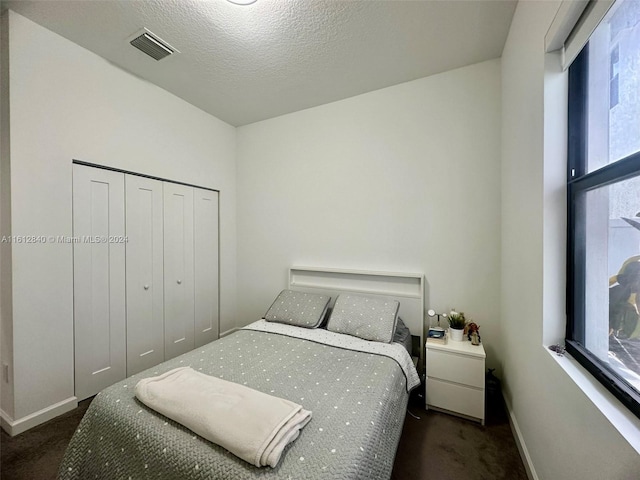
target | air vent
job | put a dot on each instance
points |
(152, 45)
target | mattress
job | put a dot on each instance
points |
(357, 391)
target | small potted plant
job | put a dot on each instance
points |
(457, 323)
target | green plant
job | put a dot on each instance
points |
(457, 320)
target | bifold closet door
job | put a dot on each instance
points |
(178, 270)
(98, 279)
(206, 266)
(145, 280)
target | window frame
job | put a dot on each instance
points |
(580, 181)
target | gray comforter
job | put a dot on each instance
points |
(358, 401)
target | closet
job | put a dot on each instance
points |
(99, 307)
(145, 273)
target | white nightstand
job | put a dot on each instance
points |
(455, 379)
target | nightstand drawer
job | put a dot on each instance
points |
(455, 398)
(456, 368)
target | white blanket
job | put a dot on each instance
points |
(250, 424)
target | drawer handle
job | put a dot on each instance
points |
(179, 282)
(146, 287)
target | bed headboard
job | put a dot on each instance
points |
(406, 288)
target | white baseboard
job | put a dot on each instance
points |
(229, 332)
(522, 447)
(15, 427)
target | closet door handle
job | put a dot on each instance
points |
(179, 282)
(146, 287)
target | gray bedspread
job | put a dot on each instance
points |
(358, 401)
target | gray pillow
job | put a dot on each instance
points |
(298, 308)
(365, 317)
(402, 335)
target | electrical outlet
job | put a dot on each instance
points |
(5, 372)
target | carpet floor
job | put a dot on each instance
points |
(443, 447)
(435, 447)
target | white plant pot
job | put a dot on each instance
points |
(456, 335)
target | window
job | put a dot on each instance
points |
(613, 81)
(603, 328)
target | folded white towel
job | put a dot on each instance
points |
(250, 424)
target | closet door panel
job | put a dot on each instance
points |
(178, 270)
(145, 289)
(99, 279)
(206, 266)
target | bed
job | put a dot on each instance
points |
(357, 390)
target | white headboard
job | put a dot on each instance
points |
(406, 288)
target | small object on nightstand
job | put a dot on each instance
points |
(437, 335)
(475, 338)
(435, 332)
(471, 329)
(433, 313)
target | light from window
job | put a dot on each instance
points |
(614, 99)
(613, 80)
(612, 275)
(603, 328)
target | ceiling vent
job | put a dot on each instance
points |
(149, 43)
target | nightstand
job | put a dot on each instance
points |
(455, 379)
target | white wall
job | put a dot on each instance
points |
(67, 103)
(564, 434)
(406, 178)
(6, 324)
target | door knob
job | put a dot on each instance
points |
(146, 287)
(179, 282)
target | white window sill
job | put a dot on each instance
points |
(620, 417)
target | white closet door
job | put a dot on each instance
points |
(178, 270)
(99, 279)
(145, 258)
(206, 266)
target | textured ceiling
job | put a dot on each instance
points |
(248, 63)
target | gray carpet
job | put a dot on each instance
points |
(436, 447)
(444, 447)
(36, 453)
